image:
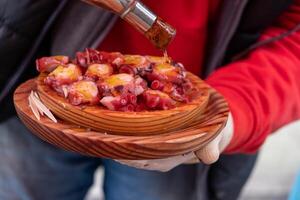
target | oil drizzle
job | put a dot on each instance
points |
(167, 59)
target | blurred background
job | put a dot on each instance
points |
(273, 176)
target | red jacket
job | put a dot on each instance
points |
(263, 89)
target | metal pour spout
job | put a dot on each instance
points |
(140, 17)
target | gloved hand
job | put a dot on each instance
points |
(207, 155)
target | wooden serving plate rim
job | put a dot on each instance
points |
(92, 143)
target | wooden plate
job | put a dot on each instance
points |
(71, 137)
(126, 123)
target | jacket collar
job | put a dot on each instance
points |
(225, 27)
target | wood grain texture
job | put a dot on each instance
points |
(99, 144)
(127, 123)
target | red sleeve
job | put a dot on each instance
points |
(263, 90)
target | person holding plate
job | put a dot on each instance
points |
(247, 50)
